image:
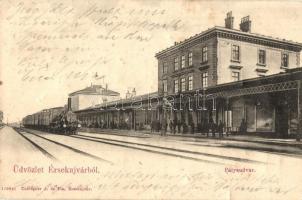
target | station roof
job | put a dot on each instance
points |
(95, 90)
(283, 81)
(244, 87)
(290, 75)
(134, 99)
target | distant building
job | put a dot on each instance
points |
(90, 97)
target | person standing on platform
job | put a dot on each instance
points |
(178, 126)
(174, 126)
(220, 129)
(171, 126)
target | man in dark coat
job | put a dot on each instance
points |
(174, 126)
(178, 126)
(220, 128)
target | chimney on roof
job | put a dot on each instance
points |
(246, 24)
(133, 92)
(229, 20)
(128, 95)
(106, 87)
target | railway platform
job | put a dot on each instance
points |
(202, 137)
(14, 148)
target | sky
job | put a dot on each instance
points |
(49, 50)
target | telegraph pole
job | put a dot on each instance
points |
(299, 107)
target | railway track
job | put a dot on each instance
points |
(150, 149)
(156, 149)
(50, 155)
(42, 150)
(165, 150)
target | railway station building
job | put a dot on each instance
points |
(90, 96)
(247, 82)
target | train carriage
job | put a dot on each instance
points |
(55, 120)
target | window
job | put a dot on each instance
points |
(190, 59)
(176, 88)
(183, 84)
(261, 57)
(183, 61)
(165, 86)
(284, 60)
(176, 63)
(235, 53)
(190, 82)
(165, 68)
(204, 79)
(236, 76)
(204, 55)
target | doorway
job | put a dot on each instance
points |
(282, 121)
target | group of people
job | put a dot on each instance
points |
(181, 126)
(155, 126)
(110, 125)
(174, 125)
(205, 127)
(178, 126)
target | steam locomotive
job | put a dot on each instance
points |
(55, 120)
